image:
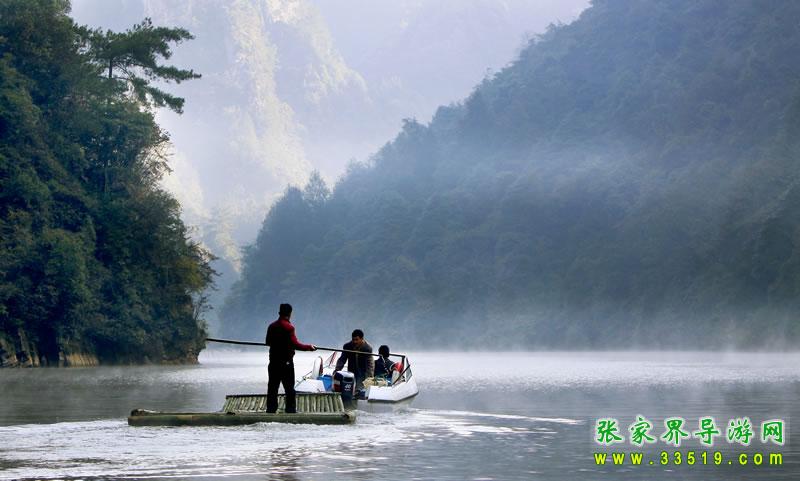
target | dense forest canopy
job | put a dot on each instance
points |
(95, 262)
(629, 180)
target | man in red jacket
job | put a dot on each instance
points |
(282, 342)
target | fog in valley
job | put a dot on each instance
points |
(472, 172)
(290, 87)
(543, 175)
(572, 222)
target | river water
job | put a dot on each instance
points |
(523, 416)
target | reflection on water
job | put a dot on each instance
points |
(478, 416)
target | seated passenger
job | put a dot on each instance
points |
(383, 366)
(361, 365)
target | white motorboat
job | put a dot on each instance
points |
(400, 388)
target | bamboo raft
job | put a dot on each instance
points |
(240, 409)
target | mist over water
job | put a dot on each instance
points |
(478, 416)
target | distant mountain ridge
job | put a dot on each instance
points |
(629, 180)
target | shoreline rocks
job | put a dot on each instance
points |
(16, 351)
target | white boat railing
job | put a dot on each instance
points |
(330, 363)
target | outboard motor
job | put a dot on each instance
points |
(345, 383)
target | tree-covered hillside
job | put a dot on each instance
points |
(95, 263)
(630, 179)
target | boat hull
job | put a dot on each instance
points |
(402, 393)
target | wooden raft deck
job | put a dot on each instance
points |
(240, 409)
(306, 403)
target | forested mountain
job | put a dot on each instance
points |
(95, 263)
(631, 179)
(290, 85)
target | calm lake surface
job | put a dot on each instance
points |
(478, 416)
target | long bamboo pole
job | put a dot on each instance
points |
(251, 343)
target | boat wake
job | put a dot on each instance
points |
(112, 449)
(508, 416)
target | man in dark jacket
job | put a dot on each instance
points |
(282, 342)
(362, 366)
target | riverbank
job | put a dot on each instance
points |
(18, 351)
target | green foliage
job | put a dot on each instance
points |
(629, 180)
(130, 61)
(93, 256)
